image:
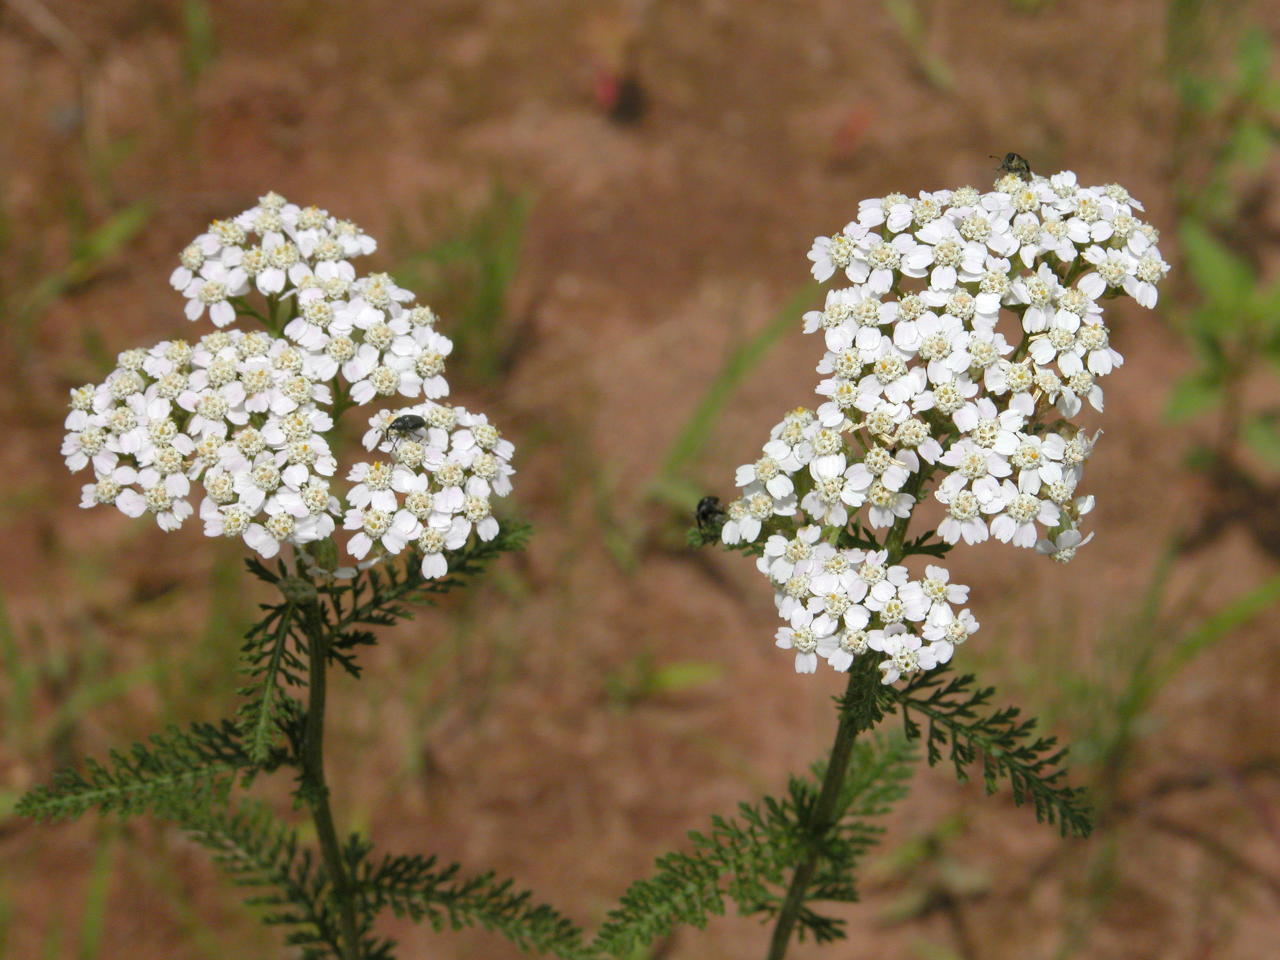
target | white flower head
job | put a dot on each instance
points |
(964, 331)
(803, 634)
(249, 414)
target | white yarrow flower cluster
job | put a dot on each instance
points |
(440, 488)
(967, 333)
(243, 419)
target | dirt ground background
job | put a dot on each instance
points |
(522, 728)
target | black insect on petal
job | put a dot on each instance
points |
(1014, 163)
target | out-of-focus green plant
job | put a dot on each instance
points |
(1030, 6)
(91, 248)
(468, 273)
(672, 484)
(1226, 135)
(79, 681)
(934, 880)
(199, 40)
(1234, 331)
(1227, 123)
(912, 25)
(643, 678)
(1234, 326)
(1111, 709)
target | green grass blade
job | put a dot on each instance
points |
(1221, 624)
(20, 674)
(97, 897)
(88, 256)
(667, 485)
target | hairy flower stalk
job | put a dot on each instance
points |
(969, 337)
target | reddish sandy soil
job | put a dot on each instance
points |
(483, 732)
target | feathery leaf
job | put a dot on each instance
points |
(198, 765)
(956, 723)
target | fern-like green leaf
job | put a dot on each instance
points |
(195, 766)
(382, 595)
(747, 859)
(270, 656)
(260, 853)
(416, 887)
(958, 725)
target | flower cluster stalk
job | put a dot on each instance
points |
(316, 788)
(862, 684)
(246, 420)
(970, 335)
(847, 730)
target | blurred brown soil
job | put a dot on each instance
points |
(484, 731)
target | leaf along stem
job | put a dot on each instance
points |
(262, 727)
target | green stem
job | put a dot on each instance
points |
(341, 399)
(317, 790)
(242, 306)
(273, 311)
(824, 813)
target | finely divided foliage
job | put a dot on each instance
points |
(174, 770)
(185, 776)
(955, 727)
(746, 858)
(414, 886)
